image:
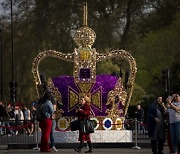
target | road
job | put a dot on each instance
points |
(95, 151)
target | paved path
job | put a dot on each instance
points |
(95, 151)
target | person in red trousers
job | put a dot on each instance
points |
(46, 124)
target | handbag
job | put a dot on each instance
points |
(74, 125)
(87, 126)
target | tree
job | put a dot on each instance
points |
(107, 67)
(154, 53)
(138, 95)
(175, 75)
(142, 27)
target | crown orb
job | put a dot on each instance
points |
(84, 37)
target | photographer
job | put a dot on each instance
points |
(83, 112)
(173, 105)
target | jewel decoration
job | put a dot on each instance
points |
(85, 87)
(116, 98)
(107, 123)
(73, 98)
(96, 98)
(55, 91)
(119, 124)
(63, 124)
(85, 36)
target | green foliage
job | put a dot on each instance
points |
(138, 95)
(107, 67)
(154, 53)
(150, 31)
(175, 75)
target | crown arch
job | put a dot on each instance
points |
(41, 56)
(133, 69)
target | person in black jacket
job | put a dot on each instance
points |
(155, 122)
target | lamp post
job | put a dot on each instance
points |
(166, 80)
(13, 83)
(1, 59)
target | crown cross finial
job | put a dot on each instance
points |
(85, 14)
(84, 36)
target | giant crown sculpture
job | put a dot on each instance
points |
(109, 99)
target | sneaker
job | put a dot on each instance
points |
(53, 149)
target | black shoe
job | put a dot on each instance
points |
(89, 151)
(77, 150)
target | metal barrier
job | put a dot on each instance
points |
(13, 131)
(138, 128)
(36, 135)
(11, 127)
(139, 131)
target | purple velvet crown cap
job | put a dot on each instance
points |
(104, 82)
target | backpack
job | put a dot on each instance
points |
(40, 115)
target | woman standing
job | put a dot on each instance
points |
(46, 124)
(174, 120)
(83, 113)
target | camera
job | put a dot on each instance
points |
(78, 106)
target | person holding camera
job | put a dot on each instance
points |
(83, 113)
(155, 123)
(173, 105)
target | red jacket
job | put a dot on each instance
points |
(84, 113)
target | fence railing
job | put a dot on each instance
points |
(138, 128)
(12, 131)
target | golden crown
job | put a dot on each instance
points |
(85, 59)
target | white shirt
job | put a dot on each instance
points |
(27, 115)
(20, 115)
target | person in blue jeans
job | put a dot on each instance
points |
(52, 144)
(173, 105)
